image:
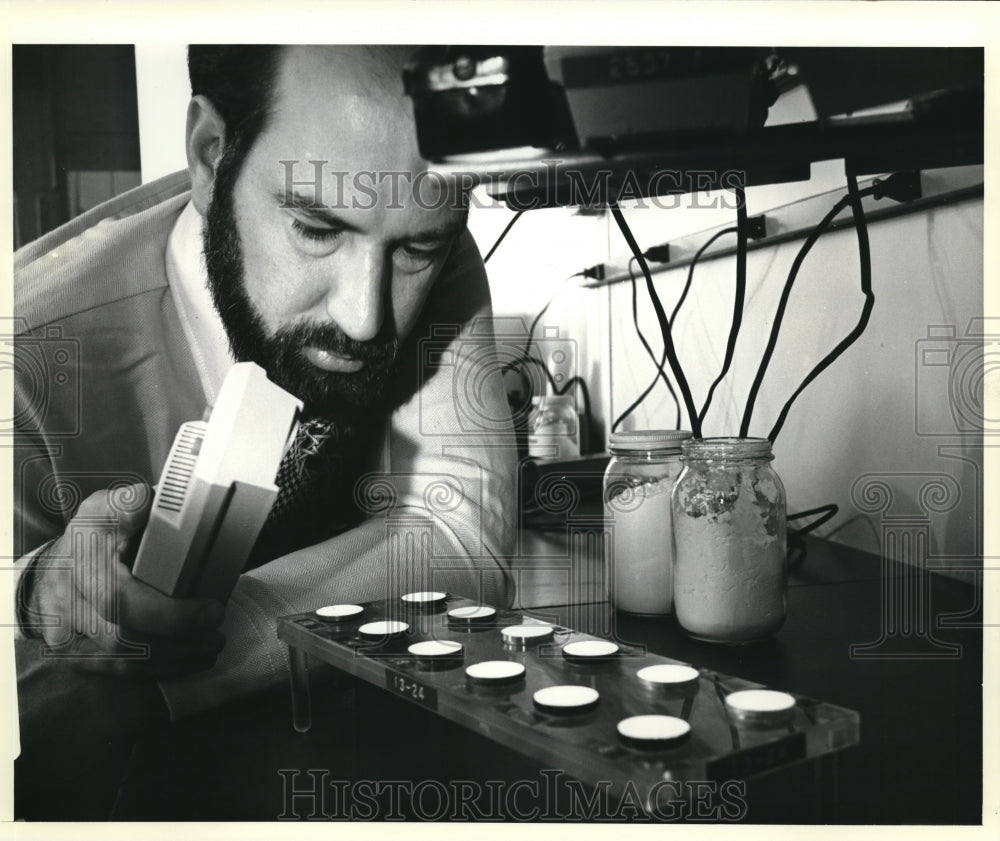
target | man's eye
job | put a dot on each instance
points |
(416, 258)
(313, 233)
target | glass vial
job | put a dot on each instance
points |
(637, 483)
(730, 572)
(555, 433)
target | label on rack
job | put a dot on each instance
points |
(411, 689)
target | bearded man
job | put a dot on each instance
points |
(270, 248)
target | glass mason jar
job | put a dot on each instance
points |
(637, 483)
(730, 571)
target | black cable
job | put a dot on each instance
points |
(694, 262)
(864, 253)
(739, 296)
(578, 381)
(500, 238)
(826, 512)
(783, 303)
(661, 316)
(572, 381)
(542, 311)
(659, 365)
(796, 545)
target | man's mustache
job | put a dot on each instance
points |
(329, 337)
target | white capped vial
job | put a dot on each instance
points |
(521, 636)
(470, 615)
(653, 732)
(338, 612)
(668, 676)
(384, 628)
(495, 672)
(566, 699)
(589, 651)
(761, 706)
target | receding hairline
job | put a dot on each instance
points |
(378, 66)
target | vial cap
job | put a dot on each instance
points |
(520, 636)
(482, 613)
(387, 628)
(433, 649)
(424, 598)
(338, 612)
(668, 675)
(653, 731)
(495, 671)
(566, 699)
(760, 706)
(589, 650)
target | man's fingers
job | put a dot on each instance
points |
(121, 599)
(148, 611)
(124, 657)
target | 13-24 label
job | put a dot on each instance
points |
(411, 689)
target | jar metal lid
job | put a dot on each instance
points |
(727, 448)
(639, 440)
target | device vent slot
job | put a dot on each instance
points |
(180, 467)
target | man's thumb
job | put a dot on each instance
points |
(130, 504)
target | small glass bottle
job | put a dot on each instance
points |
(730, 571)
(555, 431)
(637, 483)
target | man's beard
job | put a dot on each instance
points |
(348, 399)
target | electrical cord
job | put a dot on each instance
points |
(570, 383)
(796, 545)
(782, 305)
(694, 262)
(659, 365)
(526, 358)
(864, 252)
(825, 512)
(661, 317)
(542, 311)
(500, 238)
(673, 320)
(739, 298)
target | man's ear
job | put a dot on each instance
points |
(206, 137)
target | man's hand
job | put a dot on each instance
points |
(92, 611)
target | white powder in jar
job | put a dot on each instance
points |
(643, 551)
(729, 581)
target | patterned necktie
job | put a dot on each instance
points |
(303, 477)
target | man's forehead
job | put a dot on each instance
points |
(343, 105)
(372, 70)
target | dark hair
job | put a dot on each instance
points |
(239, 81)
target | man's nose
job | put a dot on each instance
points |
(356, 300)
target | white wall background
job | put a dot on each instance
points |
(163, 94)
